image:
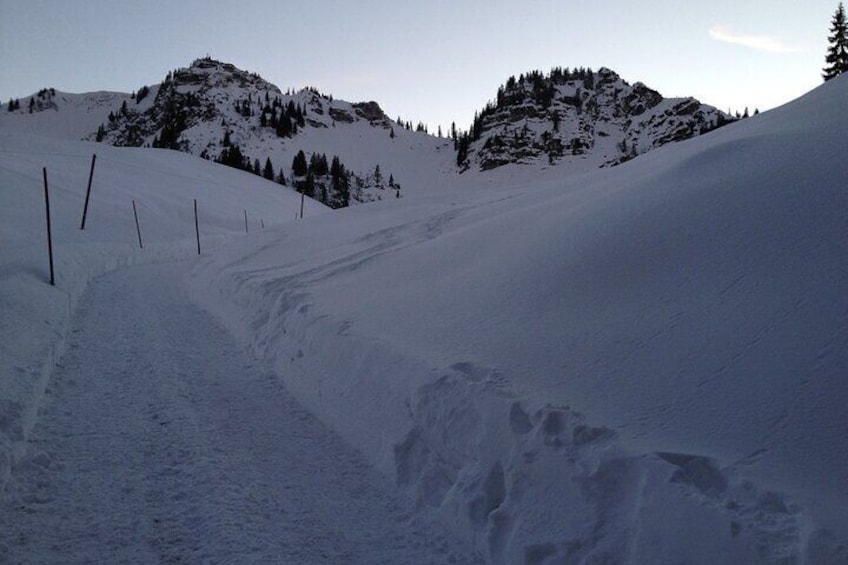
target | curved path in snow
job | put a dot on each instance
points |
(161, 441)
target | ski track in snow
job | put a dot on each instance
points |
(161, 441)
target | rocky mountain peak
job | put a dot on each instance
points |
(583, 117)
(209, 73)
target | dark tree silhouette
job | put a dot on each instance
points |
(837, 51)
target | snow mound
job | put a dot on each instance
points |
(641, 364)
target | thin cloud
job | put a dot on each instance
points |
(764, 43)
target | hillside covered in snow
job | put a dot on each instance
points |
(634, 364)
(219, 112)
(577, 120)
(645, 364)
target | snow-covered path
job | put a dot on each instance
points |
(160, 441)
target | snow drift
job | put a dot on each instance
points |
(641, 364)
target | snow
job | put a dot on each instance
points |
(641, 364)
(163, 184)
(70, 116)
(188, 450)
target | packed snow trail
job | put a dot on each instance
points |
(160, 441)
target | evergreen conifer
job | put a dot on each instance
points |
(299, 164)
(268, 171)
(837, 52)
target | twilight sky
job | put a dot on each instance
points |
(434, 61)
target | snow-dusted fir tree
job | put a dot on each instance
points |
(837, 52)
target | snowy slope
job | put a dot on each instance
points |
(574, 120)
(161, 441)
(202, 104)
(163, 184)
(62, 115)
(641, 364)
(634, 365)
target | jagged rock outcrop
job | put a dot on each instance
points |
(196, 107)
(581, 115)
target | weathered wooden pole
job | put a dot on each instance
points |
(49, 233)
(302, 198)
(245, 222)
(137, 228)
(196, 226)
(88, 191)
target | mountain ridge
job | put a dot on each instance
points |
(578, 119)
(579, 115)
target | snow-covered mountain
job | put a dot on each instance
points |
(637, 364)
(579, 119)
(219, 112)
(584, 118)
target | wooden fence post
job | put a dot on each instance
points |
(137, 228)
(49, 233)
(88, 191)
(196, 226)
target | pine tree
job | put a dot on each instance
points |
(141, 94)
(318, 165)
(378, 178)
(837, 52)
(308, 187)
(340, 183)
(299, 164)
(268, 171)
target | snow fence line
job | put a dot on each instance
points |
(523, 480)
(49, 310)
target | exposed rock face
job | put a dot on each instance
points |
(196, 107)
(591, 116)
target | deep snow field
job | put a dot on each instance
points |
(642, 364)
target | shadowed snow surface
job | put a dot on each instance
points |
(160, 441)
(644, 364)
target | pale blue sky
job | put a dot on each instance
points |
(434, 61)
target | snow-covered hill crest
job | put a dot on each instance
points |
(52, 113)
(642, 364)
(214, 110)
(576, 119)
(196, 108)
(582, 117)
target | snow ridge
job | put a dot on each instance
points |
(641, 365)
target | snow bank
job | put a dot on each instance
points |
(163, 184)
(642, 364)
